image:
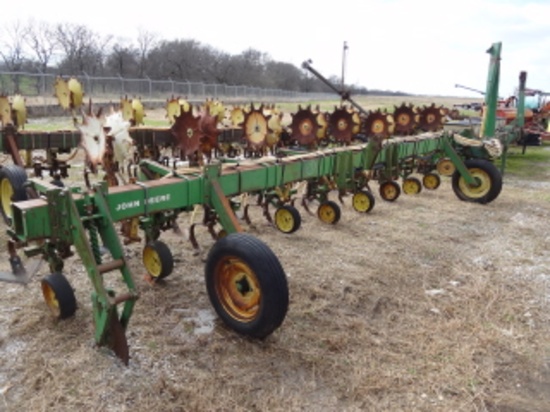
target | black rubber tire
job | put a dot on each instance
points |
(159, 251)
(390, 191)
(295, 219)
(488, 172)
(63, 293)
(334, 217)
(16, 176)
(270, 277)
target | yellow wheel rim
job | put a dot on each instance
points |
(403, 119)
(431, 181)
(445, 167)
(284, 220)
(377, 126)
(476, 192)
(411, 186)
(151, 261)
(361, 202)
(51, 299)
(6, 191)
(389, 191)
(238, 289)
(326, 213)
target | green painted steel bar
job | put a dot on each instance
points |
(491, 96)
(182, 191)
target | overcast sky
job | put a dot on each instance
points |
(415, 46)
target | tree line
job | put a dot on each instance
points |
(71, 49)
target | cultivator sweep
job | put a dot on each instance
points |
(221, 162)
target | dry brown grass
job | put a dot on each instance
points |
(424, 304)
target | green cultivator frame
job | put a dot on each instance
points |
(245, 281)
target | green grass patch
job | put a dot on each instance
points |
(534, 164)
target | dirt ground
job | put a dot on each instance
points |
(424, 304)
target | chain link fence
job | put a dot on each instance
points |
(41, 85)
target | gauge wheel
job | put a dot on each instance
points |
(489, 182)
(59, 295)
(287, 219)
(411, 186)
(431, 181)
(12, 189)
(363, 201)
(158, 259)
(445, 167)
(329, 212)
(246, 285)
(390, 191)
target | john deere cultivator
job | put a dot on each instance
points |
(246, 283)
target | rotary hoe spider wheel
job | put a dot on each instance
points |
(208, 125)
(237, 116)
(69, 93)
(405, 118)
(216, 109)
(341, 125)
(276, 129)
(357, 122)
(377, 124)
(255, 128)
(186, 131)
(322, 120)
(431, 118)
(304, 126)
(174, 106)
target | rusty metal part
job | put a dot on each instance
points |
(405, 118)
(304, 126)
(378, 124)
(255, 128)
(341, 125)
(186, 131)
(117, 338)
(208, 125)
(431, 118)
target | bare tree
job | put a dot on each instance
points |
(84, 50)
(181, 60)
(42, 42)
(12, 50)
(146, 42)
(123, 61)
(280, 75)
